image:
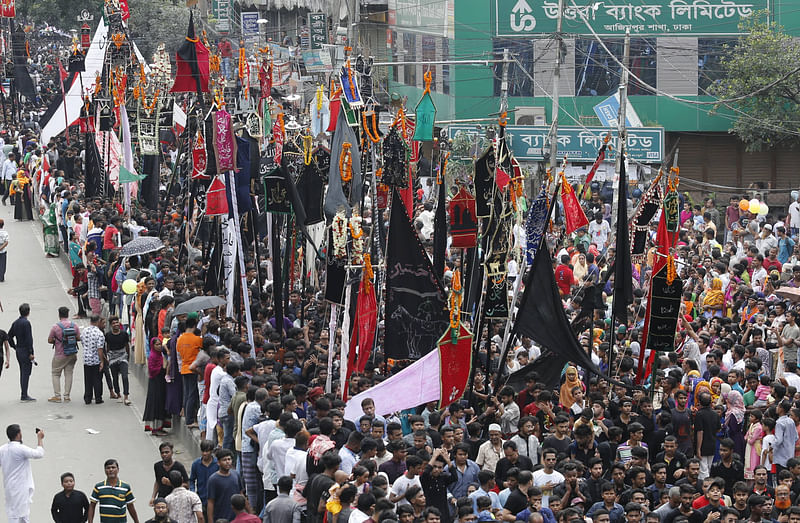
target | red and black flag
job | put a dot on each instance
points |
(663, 303)
(601, 155)
(192, 59)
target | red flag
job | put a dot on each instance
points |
(601, 154)
(199, 158)
(9, 9)
(573, 212)
(216, 202)
(265, 78)
(333, 107)
(63, 72)
(502, 179)
(455, 365)
(367, 317)
(278, 137)
(126, 12)
(192, 70)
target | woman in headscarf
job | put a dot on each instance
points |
(154, 412)
(571, 381)
(752, 455)
(20, 191)
(714, 300)
(716, 389)
(581, 268)
(701, 386)
(139, 340)
(734, 420)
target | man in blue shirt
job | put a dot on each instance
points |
(785, 245)
(486, 478)
(202, 469)
(615, 510)
(465, 470)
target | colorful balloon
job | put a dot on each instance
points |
(763, 209)
(754, 205)
(744, 205)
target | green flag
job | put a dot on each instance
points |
(125, 176)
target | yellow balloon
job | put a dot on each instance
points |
(754, 205)
(129, 286)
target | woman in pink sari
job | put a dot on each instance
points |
(752, 453)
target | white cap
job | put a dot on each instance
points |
(494, 426)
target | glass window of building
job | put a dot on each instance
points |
(598, 74)
(445, 67)
(710, 52)
(410, 55)
(519, 84)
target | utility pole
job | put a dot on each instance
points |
(355, 18)
(556, 81)
(504, 83)
(621, 132)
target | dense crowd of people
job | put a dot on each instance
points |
(711, 437)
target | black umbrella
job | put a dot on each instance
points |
(141, 245)
(198, 303)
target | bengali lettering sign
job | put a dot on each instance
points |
(529, 142)
(420, 16)
(222, 10)
(318, 29)
(615, 17)
(249, 23)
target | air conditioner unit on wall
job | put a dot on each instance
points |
(530, 116)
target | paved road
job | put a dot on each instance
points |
(41, 281)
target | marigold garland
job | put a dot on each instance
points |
(346, 163)
(368, 273)
(455, 299)
(308, 152)
(357, 233)
(672, 272)
(350, 79)
(443, 170)
(673, 183)
(371, 133)
(241, 63)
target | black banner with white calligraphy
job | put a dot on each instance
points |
(663, 309)
(416, 305)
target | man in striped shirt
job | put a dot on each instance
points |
(114, 497)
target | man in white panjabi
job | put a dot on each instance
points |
(17, 474)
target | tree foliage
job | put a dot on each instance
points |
(59, 13)
(770, 117)
(151, 21)
(155, 21)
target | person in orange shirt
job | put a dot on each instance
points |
(188, 346)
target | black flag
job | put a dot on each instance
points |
(623, 275)
(416, 306)
(541, 317)
(22, 78)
